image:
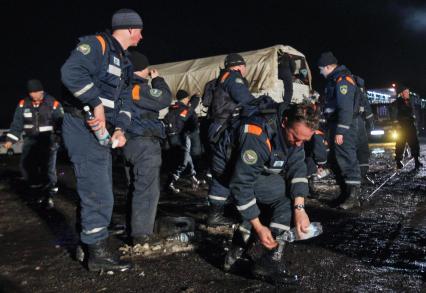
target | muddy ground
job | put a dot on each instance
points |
(380, 247)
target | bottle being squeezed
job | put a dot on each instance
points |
(314, 229)
(103, 138)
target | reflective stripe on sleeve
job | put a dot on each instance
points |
(83, 90)
(10, 135)
(28, 126)
(247, 205)
(279, 226)
(107, 103)
(127, 113)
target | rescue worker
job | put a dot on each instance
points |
(231, 101)
(316, 159)
(270, 161)
(143, 149)
(341, 111)
(98, 73)
(405, 121)
(286, 69)
(365, 121)
(39, 117)
(188, 134)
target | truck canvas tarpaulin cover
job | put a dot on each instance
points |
(262, 73)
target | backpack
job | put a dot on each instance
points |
(227, 140)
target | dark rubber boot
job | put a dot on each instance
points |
(216, 217)
(101, 258)
(353, 200)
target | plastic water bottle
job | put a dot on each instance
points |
(103, 138)
(314, 229)
(183, 237)
(323, 172)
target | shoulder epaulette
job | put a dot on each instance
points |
(224, 76)
(102, 42)
(136, 92)
(256, 130)
(348, 79)
(184, 113)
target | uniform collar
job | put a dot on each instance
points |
(139, 79)
(338, 71)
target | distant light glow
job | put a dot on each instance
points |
(394, 134)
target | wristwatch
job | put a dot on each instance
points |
(119, 128)
(299, 206)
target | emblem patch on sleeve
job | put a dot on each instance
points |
(239, 80)
(84, 49)
(343, 89)
(249, 157)
(155, 92)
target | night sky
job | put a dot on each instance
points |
(381, 41)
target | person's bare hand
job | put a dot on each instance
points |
(118, 135)
(154, 73)
(99, 122)
(338, 139)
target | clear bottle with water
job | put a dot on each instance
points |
(314, 229)
(183, 237)
(103, 138)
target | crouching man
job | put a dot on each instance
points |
(271, 158)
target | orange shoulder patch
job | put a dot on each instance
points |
(350, 80)
(103, 43)
(21, 103)
(252, 129)
(136, 92)
(225, 76)
(183, 113)
(55, 104)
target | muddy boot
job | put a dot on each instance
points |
(270, 268)
(353, 200)
(417, 163)
(101, 258)
(399, 165)
(216, 217)
(238, 247)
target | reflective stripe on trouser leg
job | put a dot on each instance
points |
(93, 170)
(347, 159)
(218, 193)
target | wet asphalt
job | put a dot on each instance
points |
(380, 247)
